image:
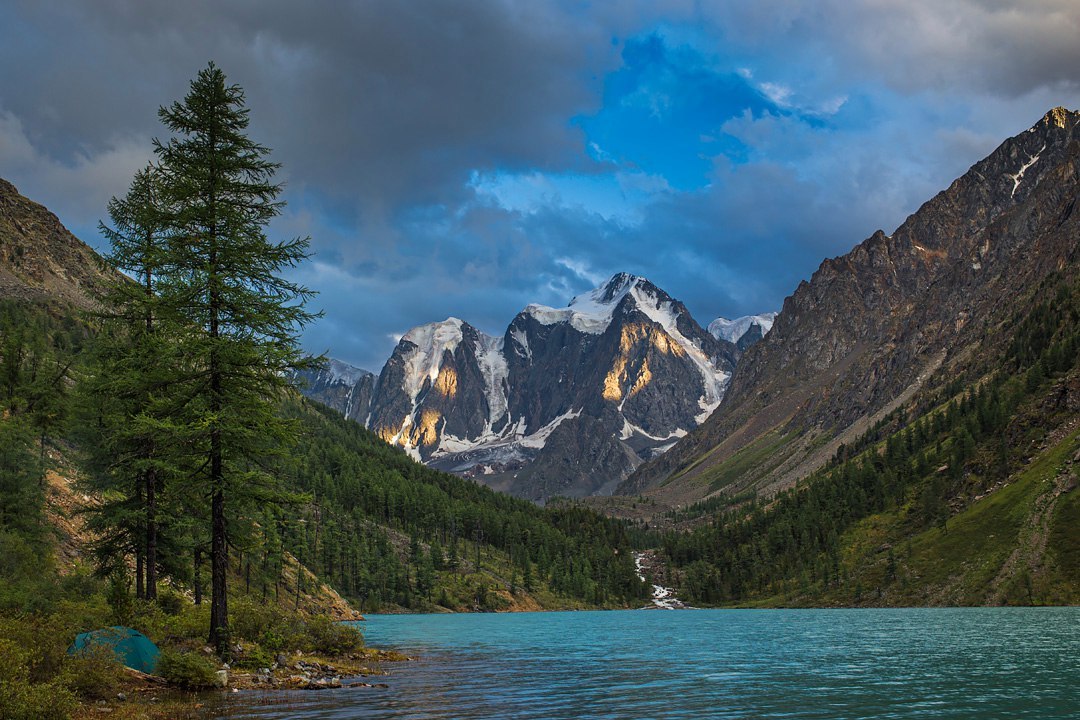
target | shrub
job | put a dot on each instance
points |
(121, 601)
(14, 660)
(331, 638)
(187, 670)
(249, 620)
(267, 625)
(254, 658)
(20, 699)
(93, 673)
(171, 602)
(80, 584)
(272, 641)
(41, 647)
(191, 622)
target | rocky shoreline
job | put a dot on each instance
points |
(301, 672)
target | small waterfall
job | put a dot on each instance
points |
(663, 598)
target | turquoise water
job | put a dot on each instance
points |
(940, 663)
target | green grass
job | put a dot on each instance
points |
(1061, 583)
(763, 454)
(970, 551)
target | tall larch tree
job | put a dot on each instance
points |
(224, 282)
(129, 391)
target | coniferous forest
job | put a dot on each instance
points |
(222, 506)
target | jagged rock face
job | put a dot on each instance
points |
(581, 457)
(874, 322)
(744, 331)
(569, 401)
(548, 367)
(341, 386)
(626, 365)
(443, 384)
(40, 259)
(750, 337)
(644, 354)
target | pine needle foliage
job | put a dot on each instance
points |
(204, 339)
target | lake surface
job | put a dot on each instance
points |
(916, 663)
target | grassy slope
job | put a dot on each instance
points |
(1017, 545)
(966, 562)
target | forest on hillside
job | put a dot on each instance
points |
(906, 495)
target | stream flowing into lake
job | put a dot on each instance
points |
(915, 663)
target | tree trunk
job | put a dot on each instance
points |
(139, 592)
(219, 549)
(151, 535)
(151, 476)
(198, 576)
(219, 566)
(139, 575)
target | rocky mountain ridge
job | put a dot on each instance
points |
(567, 402)
(870, 327)
(40, 259)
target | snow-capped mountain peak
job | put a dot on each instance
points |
(591, 312)
(733, 330)
(337, 372)
(446, 334)
(566, 401)
(607, 295)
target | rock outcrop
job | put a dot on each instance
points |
(40, 259)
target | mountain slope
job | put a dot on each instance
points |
(567, 402)
(341, 386)
(965, 495)
(871, 327)
(39, 258)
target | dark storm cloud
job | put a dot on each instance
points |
(412, 134)
(375, 103)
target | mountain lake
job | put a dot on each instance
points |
(875, 663)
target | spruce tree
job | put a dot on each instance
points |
(223, 282)
(129, 392)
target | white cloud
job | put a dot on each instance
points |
(621, 197)
(79, 189)
(581, 269)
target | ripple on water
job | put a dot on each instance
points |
(881, 664)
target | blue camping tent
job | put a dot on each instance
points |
(132, 648)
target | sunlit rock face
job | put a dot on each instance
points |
(567, 402)
(444, 381)
(624, 364)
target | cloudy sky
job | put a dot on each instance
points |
(468, 158)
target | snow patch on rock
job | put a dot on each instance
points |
(431, 341)
(493, 368)
(732, 330)
(337, 372)
(1019, 176)
(589, 312)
